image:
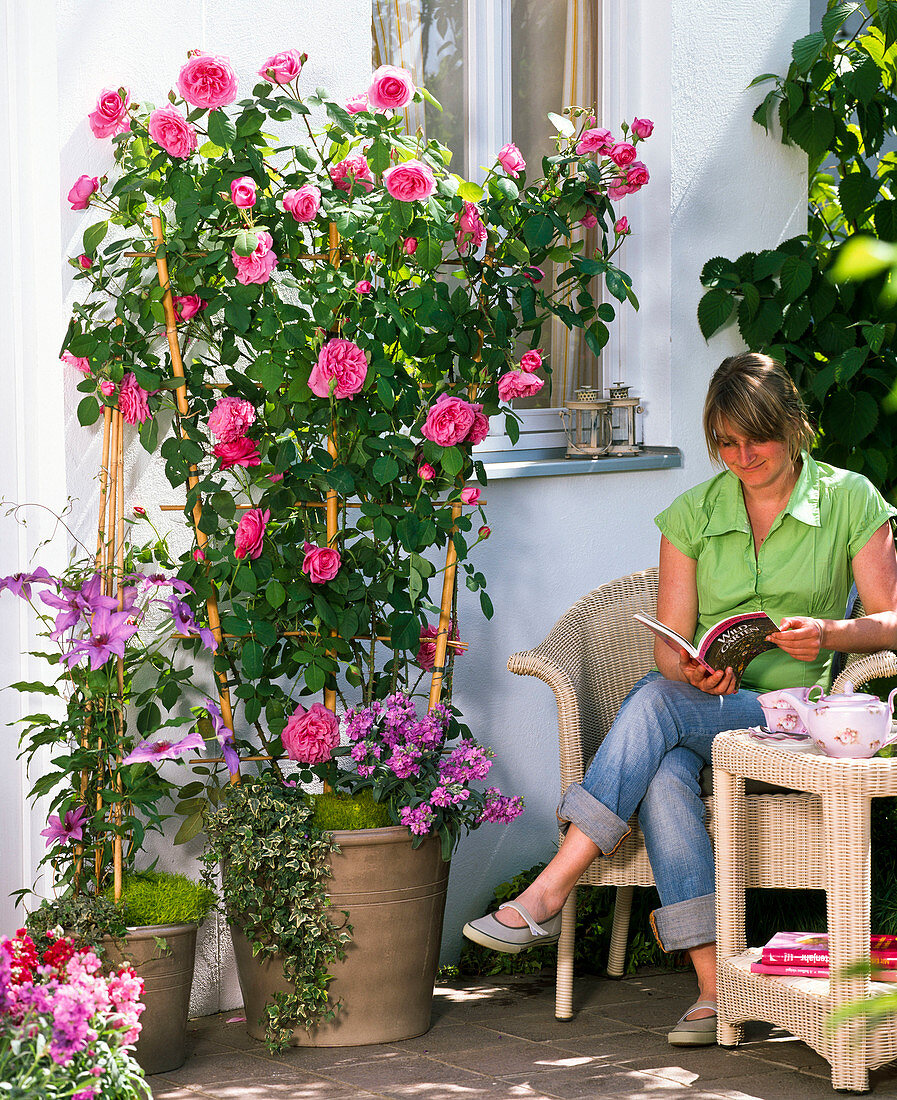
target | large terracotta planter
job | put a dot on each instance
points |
(167, 977)
(395, 897)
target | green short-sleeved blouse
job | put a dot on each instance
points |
(804, 564)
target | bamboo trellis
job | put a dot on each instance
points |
(332, 504)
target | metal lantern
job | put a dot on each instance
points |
(625, 421)
(587, 424)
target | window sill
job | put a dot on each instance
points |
(550, 462)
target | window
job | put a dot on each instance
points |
(498, 68)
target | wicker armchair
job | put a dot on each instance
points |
(591, 658)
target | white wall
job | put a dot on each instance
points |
(730, 188)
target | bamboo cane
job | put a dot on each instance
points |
(120, 665)
(445, 612)
(177, 367)
(332, 499)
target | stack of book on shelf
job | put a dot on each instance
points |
(805, 955)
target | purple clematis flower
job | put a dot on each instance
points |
(183, 618)
(109, 632)
(20, 583)
(148, 751)
(74, 602)
(159, 580)
(62, 830)
(225, 737)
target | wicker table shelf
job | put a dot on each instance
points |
(844, 789)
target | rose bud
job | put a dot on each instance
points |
(138, 510)
(484, 532)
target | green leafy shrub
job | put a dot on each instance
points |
(159, 897)
(340, 811)
(274, 866)
(85, 919)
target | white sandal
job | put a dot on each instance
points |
(695, 1033)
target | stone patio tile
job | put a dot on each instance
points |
(541, 1028)
(651, 1011)
(591, 993)
(778, 1085)
(292, 1090)
(231, 1066)
(697, 1065)
(450, 1037)
(513, 1057)
(587, 1082)
(169, 1090)
(620, 1048)
(329, 1061)
(387, 1074)
(787, 1051)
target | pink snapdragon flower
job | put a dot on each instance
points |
(111, 114)
(321, 563)
(207, 81)
(511, 159)
(310, 736)
(342, 362)
(517, 383)
(303, 202)
(390, 88)
(283, 67)
(79, 362)
(242, 192)
(132, 400)
(82, 190)
(259, 266)
(355, 171)
(250, 534)
(172, 132)
(410, 181)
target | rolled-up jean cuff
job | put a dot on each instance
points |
(601, 825)
(685, 924)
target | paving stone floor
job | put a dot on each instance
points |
(497, 1039)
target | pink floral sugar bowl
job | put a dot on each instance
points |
(780, 715)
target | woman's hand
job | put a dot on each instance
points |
(800, 638)
(721, 682)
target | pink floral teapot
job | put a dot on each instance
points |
(855, 725)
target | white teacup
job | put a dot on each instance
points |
(781, 717)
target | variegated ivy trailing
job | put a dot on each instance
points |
(332, 281)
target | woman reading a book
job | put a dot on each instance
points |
(775, 531)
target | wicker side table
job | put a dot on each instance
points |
(844, 789)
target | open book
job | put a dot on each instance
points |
(732, 643)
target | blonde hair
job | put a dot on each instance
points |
(756, 395)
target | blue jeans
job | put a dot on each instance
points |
(650, 761)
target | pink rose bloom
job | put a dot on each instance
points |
(172, 132)
(426, 472)
(198, 555)
(188, 305)
(321, 563)
(282, 67)
(531, 360)
(622, 153)
(79, 362)
(340, 360)
(357, 103)
(242, 192)
(354, 170)
(231, 418)
(471, 230)
(310, 736)
(250, 533)
(426, 655)
(107, 387)
(617, 189)
(595, 141)
(390, 88)
(85, 261)
(588, 220)
(470, 495)
(511, 159)
(480, 428)
(518, 383)
(207, 81)
(303, 203)
(240, 452)
(364, 286)
(111, 114)
(642, 127)
(636, 175)
(132, 400)
(621, 226)
(82, 189)
(256, 268)
(410, 181)
(449, 421)
(409, 246)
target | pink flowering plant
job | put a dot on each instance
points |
(67, 1029)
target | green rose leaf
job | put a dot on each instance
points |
(385, 469)
(88, 411)
(253, 660)
(275, 593)
(245, 242)
(249, 122)
(561, 124)
(93, 235)
(221, 130)
(538, 230)
(470, 192)
(451, 461)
